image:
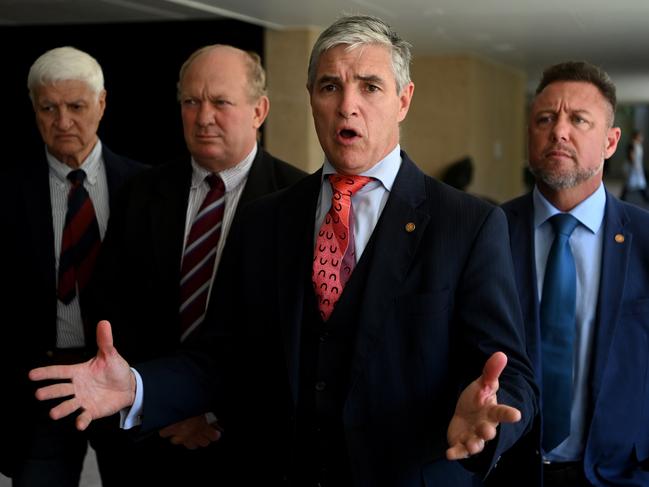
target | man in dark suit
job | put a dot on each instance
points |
(42, 326)
(379, 386)
(223, 102)
(604, 437)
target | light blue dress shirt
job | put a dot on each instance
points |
(586, 244)
(367, 203)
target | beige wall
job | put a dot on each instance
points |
(462, 106)
(465, 106)
(289, 132)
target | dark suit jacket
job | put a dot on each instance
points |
(438, 301)
(137, 285)
(28, 328)
(618, 418)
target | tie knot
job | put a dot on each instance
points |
(563, 223)
(215, 181)
(347, 185)
(77, 176)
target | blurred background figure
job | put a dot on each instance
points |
(635, 187)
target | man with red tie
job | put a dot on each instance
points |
(367, 329)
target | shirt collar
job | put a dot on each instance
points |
(231, 177)
(90, 165)
(589, 212)
(384, 171)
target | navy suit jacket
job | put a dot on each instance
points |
(438, 302)
(28, 301)
(618, 417)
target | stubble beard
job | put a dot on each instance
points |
(558, 180)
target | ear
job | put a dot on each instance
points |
(612, 138)
(102, 103)
(262, 106)
(404, 100)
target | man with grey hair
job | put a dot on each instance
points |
(141, 285)
(582, 269)
(366, 329)
(55, 213)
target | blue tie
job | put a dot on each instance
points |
(557, 332)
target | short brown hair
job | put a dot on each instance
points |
(582, 71)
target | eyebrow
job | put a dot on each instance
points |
(336, 79)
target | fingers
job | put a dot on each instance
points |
(493, 368)
(166, 432)
(104, 336)
(472, 446)
(83, 420)
(51, 372)
(55, 391)
(503, 414)
(64, 409)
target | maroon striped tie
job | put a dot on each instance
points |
(198, 259)
(81, 240)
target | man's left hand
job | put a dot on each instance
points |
(478, 414)
(192, 433)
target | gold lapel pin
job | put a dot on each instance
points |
(410, 227)
(619, 238)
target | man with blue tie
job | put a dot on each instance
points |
(582, 268)
(360, 316)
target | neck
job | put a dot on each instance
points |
(566, 199)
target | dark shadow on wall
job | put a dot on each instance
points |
(140, 63)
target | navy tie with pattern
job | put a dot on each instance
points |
(557, 332)
(80, 242)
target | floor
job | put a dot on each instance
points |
(89, 476)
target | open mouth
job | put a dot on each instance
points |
(348, 133)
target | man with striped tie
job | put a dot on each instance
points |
(165, 241)
(56, 213)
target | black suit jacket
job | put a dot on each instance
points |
(137, 285)
(28, 328)
(617, 427)
(438, 301)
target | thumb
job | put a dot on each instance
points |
(104, 337)
(493, 368)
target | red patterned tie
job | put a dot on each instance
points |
(80, 242)
(198, 258)
(333, 260)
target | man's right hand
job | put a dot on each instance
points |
(99, 387)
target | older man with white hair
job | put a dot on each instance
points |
(55, 212)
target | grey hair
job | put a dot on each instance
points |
(65, 64)
(358, 30)
(255, 71)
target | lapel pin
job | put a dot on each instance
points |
(619, 238)
(410, 227)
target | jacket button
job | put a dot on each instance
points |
(50, 353)
(320, 386)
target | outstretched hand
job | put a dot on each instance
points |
(99, 387)
(477, 413)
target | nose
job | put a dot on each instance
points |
(561, 129)
(63, 120)
(205, 115)
(348, 106)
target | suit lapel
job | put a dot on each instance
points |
(615, 260)
(393, 249)
(260, 179)
(520, 216)
(295, 255)
(37, 203)
(168, 214)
